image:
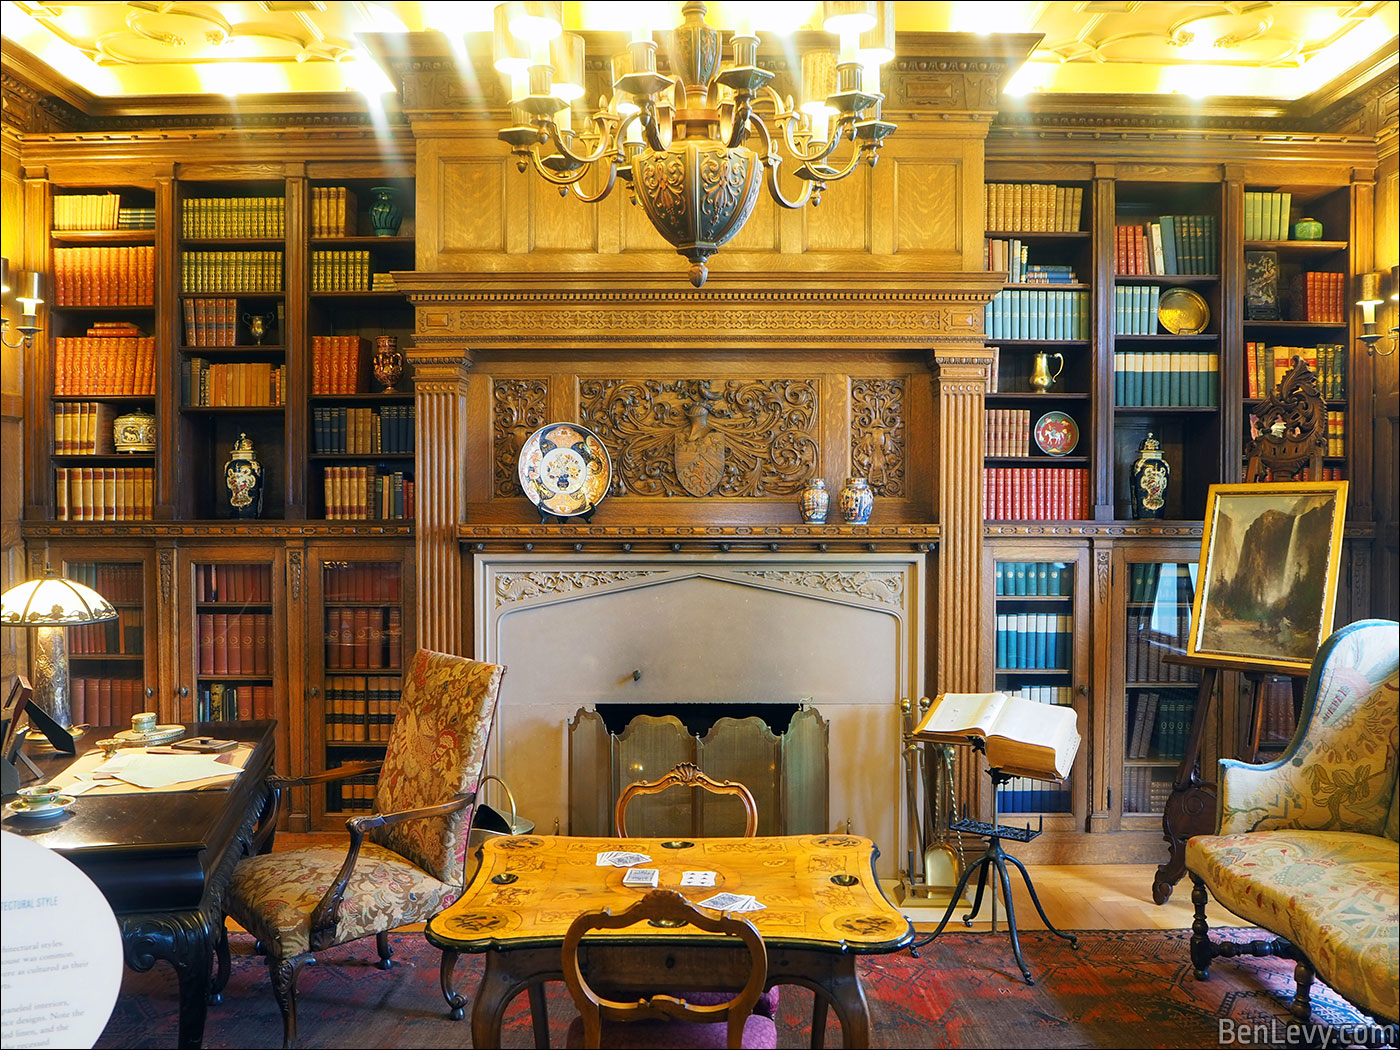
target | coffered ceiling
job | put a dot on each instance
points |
(1280, 50)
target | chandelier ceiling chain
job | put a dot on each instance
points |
(693, 147)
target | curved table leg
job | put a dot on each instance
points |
(848, 1000)
(506, 975)
(456, 1005)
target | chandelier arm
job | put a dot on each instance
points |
(606, 141)
(562, 179)
(743, 113)
(594, 198)
(773, 161)
(651, 131)
(816, 156)
(825, 173)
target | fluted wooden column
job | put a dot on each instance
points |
(440, 387)
(959, 398)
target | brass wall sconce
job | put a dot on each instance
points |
(1368, 297)
(29, 295)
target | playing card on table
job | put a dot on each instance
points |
(641, 877)
(621, 858)
(731, 902)
(697, 878)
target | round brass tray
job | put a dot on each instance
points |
(1183, 312)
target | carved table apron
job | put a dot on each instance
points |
(823, 908)
(163, 861)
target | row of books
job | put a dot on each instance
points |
(352, 795)
(1034, 313)
(1328, 474)
(360, 638)
(205, 217)
(86, 211)
(106, 701)
(1265, 367)
(1153, 633)
(363, 431)
(1266, 215)
(1034, 578)
(1025, 795)
(1159, 721)
(1154, 582)
(113, 359)
(1318, 297)
(333, 211)
(361, 582)
(210, 321)
(360, 708)
(340, 271)
(1153, 726)
(1174, 245)
(1033, 206)
(234, 584)
(124, 635)
(361, 493)
(1059, 695)
(117, 582)
(1035, 641)
(1008, 432)
(1276, 723)
(238, 383)
(104, 493)
(1012, 256)
(1135, 309)
(82, 428)
(337, 364)
(1035, 493)
(105, 276)
(1336, 433)
(221, 702)
(1145, 789)
(254, 271)
(1166, 378)
(235, 643)
(136, 218)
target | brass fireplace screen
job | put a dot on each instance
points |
(779, 752)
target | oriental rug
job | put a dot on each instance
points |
(1120, 989)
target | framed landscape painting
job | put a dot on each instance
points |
(1268, 574)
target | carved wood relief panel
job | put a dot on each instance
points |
(728, 437)
(518, 409)
(877, 434)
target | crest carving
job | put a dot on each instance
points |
(518, 409)
(877, 434)
(741, 438)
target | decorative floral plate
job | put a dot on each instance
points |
(1056, 434)
(565, 469)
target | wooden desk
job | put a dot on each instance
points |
(824, 907)
(163, 860)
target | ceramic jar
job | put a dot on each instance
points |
(813, 502)
(134, 432)
(1151, 474)
(1307, 230)
(856, 501)
(243, 475)
(388, 362)
(385, 215)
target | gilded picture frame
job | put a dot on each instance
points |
(1267, 580)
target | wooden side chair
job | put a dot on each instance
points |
(688, 774)
(662, 1019)
(405, 862)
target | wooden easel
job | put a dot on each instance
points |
(1291, 437)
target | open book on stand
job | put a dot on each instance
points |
(1023, 738)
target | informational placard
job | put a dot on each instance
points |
(60, 947)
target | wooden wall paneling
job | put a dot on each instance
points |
(841, 222)
(440, 385)
(561, 223)
(169, 334)
(1108, 617)
(14, 366)
(930, 191)
(171, 704)
(38, 376)
(1385, 387)
(1231, 326)
(1363, 259)
(1102, 210)
(463, 204)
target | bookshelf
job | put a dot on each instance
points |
(103, 316)
(1038, 233)
(1037, 609)
(360, 631)
(109, 663)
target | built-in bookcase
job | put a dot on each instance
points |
(109, 680)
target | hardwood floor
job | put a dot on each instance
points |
(1075, 897)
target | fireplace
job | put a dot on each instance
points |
(839, 631)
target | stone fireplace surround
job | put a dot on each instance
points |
(840, 630)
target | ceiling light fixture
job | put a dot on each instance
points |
(692, 147)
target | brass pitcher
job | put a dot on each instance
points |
(1041, 379)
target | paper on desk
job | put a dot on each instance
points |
(157, 771)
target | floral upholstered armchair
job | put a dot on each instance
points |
(405, 861)
(1307, 846)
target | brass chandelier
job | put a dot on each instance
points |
(693, 147)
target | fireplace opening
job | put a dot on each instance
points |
(780, 752)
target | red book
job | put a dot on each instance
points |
(332, 638)
(347, 638)
(220, 643)
(261, 663)
(104, 702)
(362, 638)
(395, 639)
(248, 653)
(206, 643)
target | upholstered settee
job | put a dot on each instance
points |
(1307, 845)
